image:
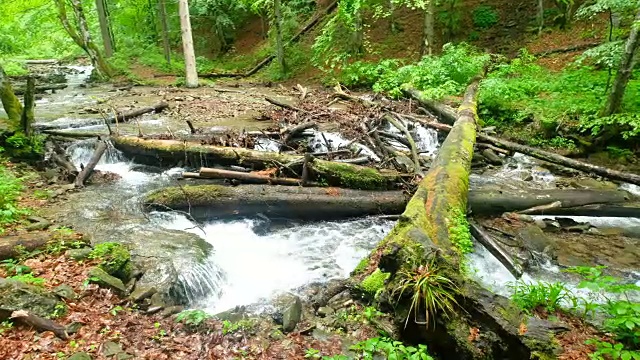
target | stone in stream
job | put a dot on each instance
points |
(290, 306)
(16, 295)
(535, 239)
(100, 277)
(142, 292)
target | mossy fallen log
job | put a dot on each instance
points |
(12, 245)
(422, 263)
(218, 201)
(205, 201)
(10, 102)
(172, 152)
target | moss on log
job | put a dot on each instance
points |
(430, 234)
(10, 102)
(172, 152)
(218, 201)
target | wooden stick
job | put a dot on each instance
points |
(283, 105)
(412, 143)
(485, 239)
(101, 147)
(40, 324)
(210, 173)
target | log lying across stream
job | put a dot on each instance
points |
(165, 153)
(426, 242)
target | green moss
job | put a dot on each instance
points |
(173, 196)
(362, 265)
(459, 233)
(115, 259)
(350, 176)
(374, 282)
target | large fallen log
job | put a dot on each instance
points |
(41, 88)
(422, 258)
(249, 178)
(483, 202)
(86, 171)
(217, 201)
(128, 115)
(538, 153)
(10, 246)
(171, 152)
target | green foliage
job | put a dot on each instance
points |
(14, 68)
(485, 16)
(192, 318)
(374, 282)
(14, 267)
(459, 232)
(618, 153)
(431, 292)
(436, 76)
(540, 296)
(558, 142)
(115, 259)
(387, 348)
(10, 189)
(28, 279)
(5, 326)
(21, 146)
(312, 354)
(229, 327)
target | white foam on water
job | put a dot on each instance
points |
(599, 222)
(266, 144)
(634, 189)
(520, 166)
(318, 144)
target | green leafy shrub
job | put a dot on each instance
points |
(540, 296)
(29, 279)
(192, 318)
(387, 348)
(14, 68)
(459, 233)
(484, 17)
(431, 293)
(10, 189)
(115, 259)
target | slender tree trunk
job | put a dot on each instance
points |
(162, 10)
(104, 28)
(392, 20)
(614, 103)
(428, 35)
(81, 35)
(191, 73)
(10, 101)
(540, 16)
(279, 42)
(29, 101)
(358, 34)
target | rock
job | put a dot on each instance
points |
(233, 315)
(535, 239)
(111, 348)
(100, 277)
(171, 310)
(65, 291)
(291, 314)
(74, 327)
(115, 259)
(157, 303)
(325, 311)
(78, 254)
(79, 356)
(492, 157)
(142, 292)
(16, 295)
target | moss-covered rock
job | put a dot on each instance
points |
(374, 283)
(115, 259)
(103, 279)
(16, 295)
(350, 176)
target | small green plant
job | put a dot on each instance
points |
(14, 267)
(459, 232)
(431, 293)
(160, 332)
(312, 354)
(42, 194)
(5, 326)
(59, 310)
(388, 348)
(115, 259)
(229, 327)
(10, 189)
(485, 16)
(115, 310)
(29, 279)
(540, 296)
(192, 318)
(374, 283)
(371, 313)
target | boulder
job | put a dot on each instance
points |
(142, 292)
(79, 254)
(65, 291)
(16, 295)
(290, 306)
(100, 277)
(535, 239)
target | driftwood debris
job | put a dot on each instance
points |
(283, 104)
(128, 115)
(39, 89)
(101, 147)
(39, 323)
(540, 154)
(495, 249)
(29, 241)
(249, 178)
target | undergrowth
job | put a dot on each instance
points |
(10, 189)
(380, 347)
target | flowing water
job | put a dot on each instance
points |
(253, 259)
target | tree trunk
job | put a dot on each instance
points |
(540, 16)
(29, 241)
(191, 73)
(614, 102)
(247, 178)
(426, 237)
(104, 28)
(279, 41)
(27, 117)
(81, 35)
(358, 33)
(429, 34)
(10, 102)
(101, 147)
(393, 27)
(162, 10)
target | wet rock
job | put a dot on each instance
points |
(111, 348)
(79, 254)
(65, 291)
(234, 315)
(291, 313)
(79, 356)
(325, 311)
(142, 292)
(171, 310)
(492, 157)
(100, 277)
(15, 295)
(74, 327)
(156, 303)
(535, 239)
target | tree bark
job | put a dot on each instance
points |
(247, 178)
(429, 33)
(101, 147)
(426, 234)
(39, 89)
(279, 41)
(104, 28)
(10, 102)
(162, 10)
(614, 102)
(27, 117)
(496, 250)
(30, 241)
(540, 16)
(81, 35)
(191, 73)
